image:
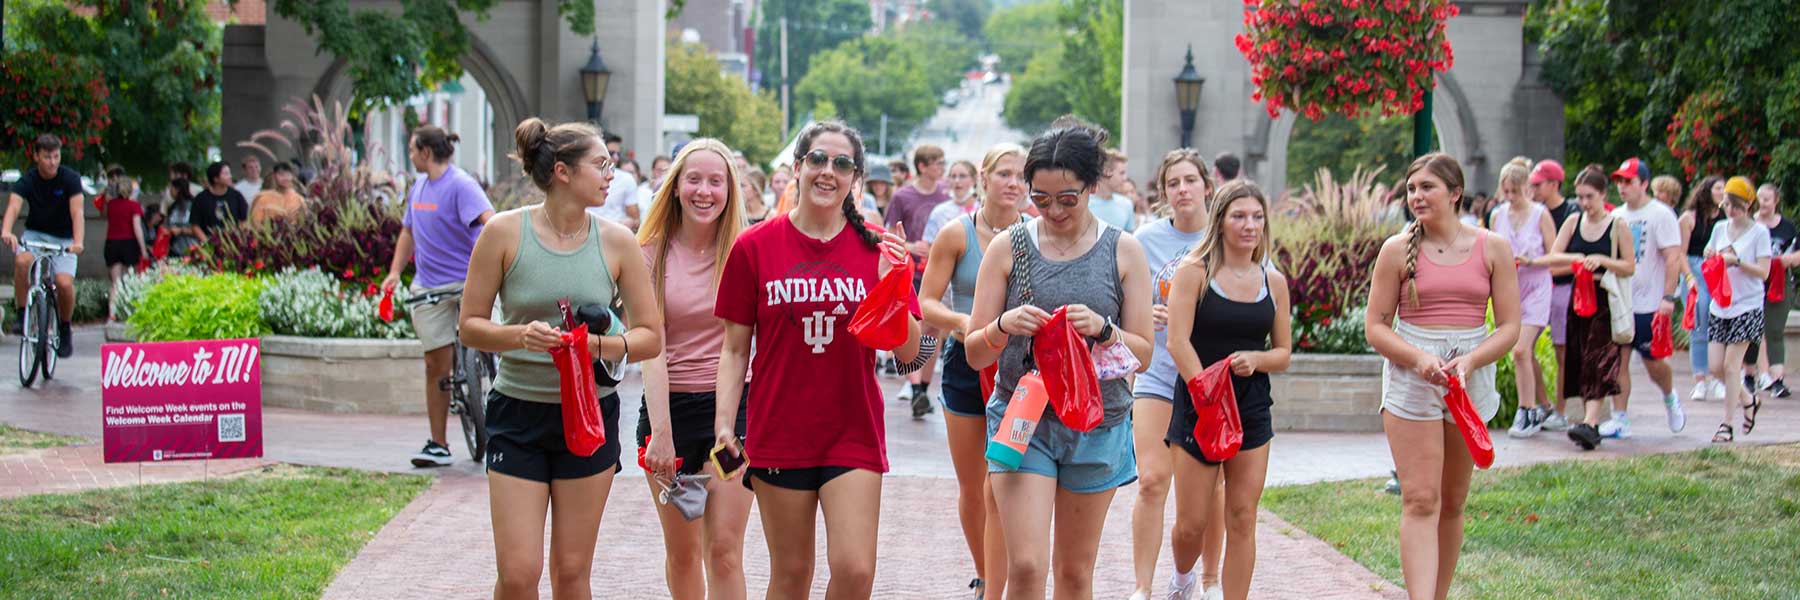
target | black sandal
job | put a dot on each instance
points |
(1724, 435)
(1750, 413)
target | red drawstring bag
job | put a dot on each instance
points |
(1777, 287)
(1582, 298)
(1687, 312)
(987, 380)
(1713, 270)
(1474, 430)
(645, 465)
(880, 321)
(1662, 338)
(1218, 429)
(160, 250)
(1062, 358)
(583, 431)
(385, 309)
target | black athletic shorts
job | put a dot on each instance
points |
(121, 252)
(691, 418)
(807, 479)
(1254, 404)
(525, 440)
(962, 385)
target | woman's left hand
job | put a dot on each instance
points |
(1086, 321)
(1458, 367)
(893, 249)
(1243, 364)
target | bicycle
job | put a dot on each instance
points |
(39, 334)
(467, 382)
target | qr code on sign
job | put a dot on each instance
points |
(231, 428)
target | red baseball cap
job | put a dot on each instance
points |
(1632, 168)
(1547, 170)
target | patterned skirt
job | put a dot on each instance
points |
(1747, 327)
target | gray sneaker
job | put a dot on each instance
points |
(1554, 422)
(1525, 424)
(1182, 588)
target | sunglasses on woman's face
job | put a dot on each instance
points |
(1068, 199)
(842, 163)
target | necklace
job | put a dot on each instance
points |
(981, 219)
(1064, 249)
(1442, 248)
(1241, 273)
(559, 234)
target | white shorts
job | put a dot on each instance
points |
(62, 265)
(1407, 396)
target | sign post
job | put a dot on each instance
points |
(193, 400)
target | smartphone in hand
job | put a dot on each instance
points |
(726, 462)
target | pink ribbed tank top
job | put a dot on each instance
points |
(1450, 295)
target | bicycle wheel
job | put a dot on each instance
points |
(46, 342)
(28, 355)
(471, 401)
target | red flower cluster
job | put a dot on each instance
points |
(41, 93)
(1707, 136)
(1348, 57)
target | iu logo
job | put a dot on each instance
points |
(819, 330)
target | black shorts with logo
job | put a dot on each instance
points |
(691, 418)
(525, 440)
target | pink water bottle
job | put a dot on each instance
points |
(1007, 448)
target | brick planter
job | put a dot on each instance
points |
(1329, 392)
(336, 375)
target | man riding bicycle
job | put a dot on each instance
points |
(55, 196)
(444, 214)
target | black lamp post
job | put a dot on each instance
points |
(593, 82)
(1187, 96)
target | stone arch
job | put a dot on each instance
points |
(1458, 136)
(504, 95)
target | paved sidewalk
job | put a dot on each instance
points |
(922, 553)
(75, 468)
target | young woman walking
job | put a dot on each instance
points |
(1771, 361)
(956, 257)
(694, 219)
(816, 442)
(1705, 208)
(1744, 245)
(1185, 184)
(1226, 304)
(1100, 275)
(530, 258)
(1597, 240)
(1438, 278)
(1526, 225)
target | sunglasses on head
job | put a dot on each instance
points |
(1067, 199)
(842, 163)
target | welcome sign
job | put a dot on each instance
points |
(181, 400)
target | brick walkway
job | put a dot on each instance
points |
(76, 468)
(921, 555)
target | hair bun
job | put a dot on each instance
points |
(454, 138)
(529, 138)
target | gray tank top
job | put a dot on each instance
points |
(962, 280)
(1091, 279)
(537, 279)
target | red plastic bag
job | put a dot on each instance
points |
(642, 464)
(385, 309)
(1583, 299)
(1068, 370)
(1219, 430)
(583, 431)
(880, 321)
(1662, 338)
(1687, 313)
(1474, 430)
(1713, 270)
(987, 381)
(1777, 287)
(160, 250)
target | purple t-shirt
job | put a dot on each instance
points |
(442, 216)
(912, 207)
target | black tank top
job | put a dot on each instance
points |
(1702, 232)
(1602, 246)
(1223, 326)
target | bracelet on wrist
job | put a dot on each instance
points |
(999, 328)
(988, 339)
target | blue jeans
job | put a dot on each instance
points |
(1702, 320)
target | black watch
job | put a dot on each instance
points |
(1106, 332)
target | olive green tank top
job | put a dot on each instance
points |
(537, 279)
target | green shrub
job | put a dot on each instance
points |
(189, 307)
(90, 300)
(1327, 252)
(313, 304)
(1342, 334)
(1509, 391)
(133, 285)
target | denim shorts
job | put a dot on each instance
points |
(1084, 463)
(962, 385)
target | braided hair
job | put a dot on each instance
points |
(851, 214)
(1445, 168)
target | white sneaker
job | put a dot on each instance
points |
(1677, 416)
(1182, 587)
(905, 392)
(1700, 391)
(1556, 422)
(1718, 391)
(1140, 596)
(1763, 381)
(1619, 426)
(1214, 593)
(1525, 424)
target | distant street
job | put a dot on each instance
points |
(966, 131)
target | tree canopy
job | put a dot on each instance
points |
(1078, 71)
(900, 73)
(728, 110)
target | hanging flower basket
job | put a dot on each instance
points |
(1348, 57)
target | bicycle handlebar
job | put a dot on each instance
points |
(42, 248)
(434, 297)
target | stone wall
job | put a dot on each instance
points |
(343, 375)
(1328, 392)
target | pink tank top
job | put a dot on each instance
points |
(1450, 295)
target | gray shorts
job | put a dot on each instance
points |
(62, 265)
(1409, 397)
(436, 324)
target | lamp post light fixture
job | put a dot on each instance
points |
(1187, 96)
(594, 76)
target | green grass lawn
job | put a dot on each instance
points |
(14, 440)
(1708, 524)
(281, 532)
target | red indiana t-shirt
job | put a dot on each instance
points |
(814, 401)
